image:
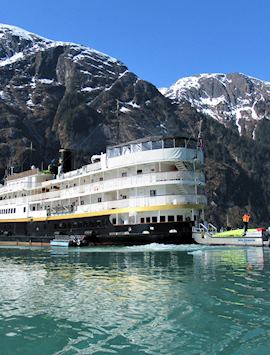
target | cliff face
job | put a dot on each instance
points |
(236, 128)
(61, 94)
(55, 94)
(236, 100)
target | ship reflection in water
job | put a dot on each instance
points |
(150, 299)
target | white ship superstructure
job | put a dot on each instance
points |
(148, 183)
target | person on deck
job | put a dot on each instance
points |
(246, 218)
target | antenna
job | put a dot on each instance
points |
(118, 122)
(31, 151)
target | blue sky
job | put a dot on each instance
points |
(160, 40)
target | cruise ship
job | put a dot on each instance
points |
(150, 190)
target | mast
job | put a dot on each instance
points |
(117, 121)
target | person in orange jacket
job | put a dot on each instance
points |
(245, 218)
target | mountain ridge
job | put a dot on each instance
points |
(233, 98)
(66, 95)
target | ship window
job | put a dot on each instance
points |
(124, 174)
(82, 202)
(114, 220)
(14, 210)
(99, 199)
(170, 218)
(126, 150)
(114, 152)
(179, 218)
(139, 171)
(157, 145)
(34, 208)
(154, 219)
(168, 143)
(153, 193)
(136, 147)
(124, 197)
(142, 219)
(147, 219)
(24, 209)
(9, 210)
(162, 219)
(179, 142)
(101, 179)
(147, 145)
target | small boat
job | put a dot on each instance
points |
(209, 235)
(69, 241)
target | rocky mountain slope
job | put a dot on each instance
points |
(55, 94)
(236, 100)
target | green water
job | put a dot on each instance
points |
(135, 300)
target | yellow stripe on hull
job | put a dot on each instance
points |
(104, 212)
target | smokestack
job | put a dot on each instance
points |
(65, 160)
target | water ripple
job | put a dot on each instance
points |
(147, 299)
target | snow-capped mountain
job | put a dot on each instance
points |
(228, 98)
(62, 94)
(58, 94)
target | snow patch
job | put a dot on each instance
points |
(133, 104)
(45, 81)
(124, 109)
(163, 91)
(90, 89)
(13, 59)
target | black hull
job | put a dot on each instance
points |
(95, 231)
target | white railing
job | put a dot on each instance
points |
(209, 228)
(143, 202)
(181, 177)
(188, 178)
